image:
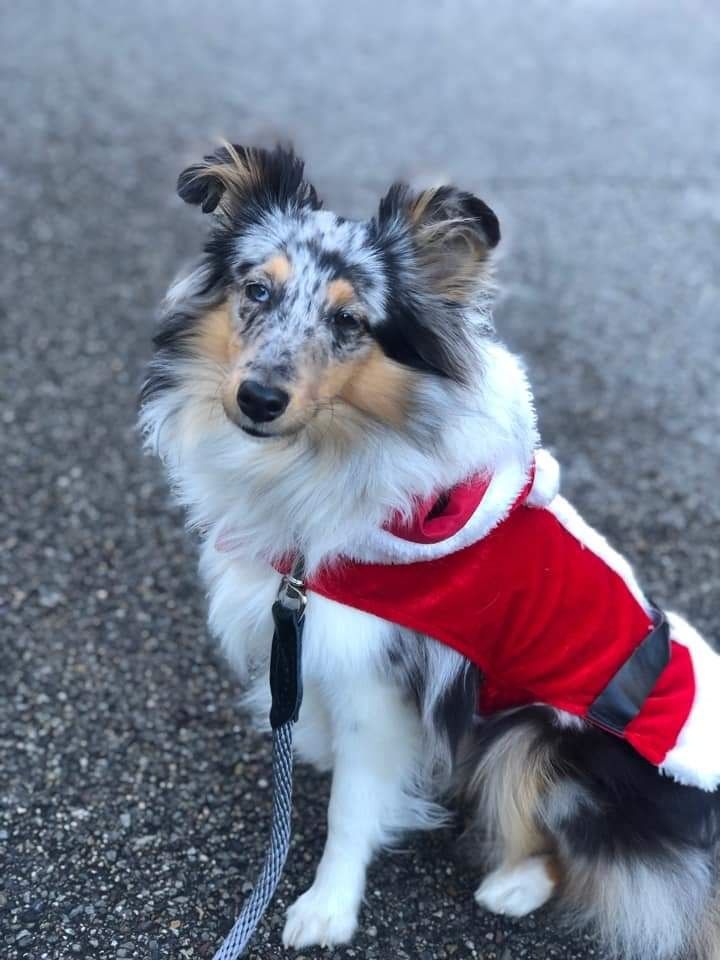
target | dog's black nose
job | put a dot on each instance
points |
(260, 402)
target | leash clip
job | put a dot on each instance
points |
(291, 593)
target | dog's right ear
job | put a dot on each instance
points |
(236, 175)
(200, 185)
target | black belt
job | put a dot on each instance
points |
(623, 698)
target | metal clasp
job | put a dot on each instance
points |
(291, 592)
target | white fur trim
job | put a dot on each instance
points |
(381, 546)
(507, 482)
(546, 483)
(695, 758)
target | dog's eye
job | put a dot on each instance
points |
(346, 319)
(257, 291)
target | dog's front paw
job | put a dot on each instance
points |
(319, 918)
(517, 890)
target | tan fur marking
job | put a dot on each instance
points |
(235, 174)
(204, 376)
(334, 379)
(510, 782)
(214, 339)
(420, 205)
(554, 870)
(239, 175)
(454, 258)
(380, 387)
(340, 293)
(216, 342)
(452, 254)
(278, 268)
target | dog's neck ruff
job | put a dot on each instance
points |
(505, 572)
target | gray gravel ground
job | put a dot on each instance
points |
(133, 800)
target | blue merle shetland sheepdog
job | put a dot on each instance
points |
(315, 380)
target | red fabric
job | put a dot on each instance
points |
(541, 615)
(430, 525)
(427, 526)
(655, 729)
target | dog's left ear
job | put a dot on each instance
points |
(453, 233)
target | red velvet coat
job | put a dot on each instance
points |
(546, 609)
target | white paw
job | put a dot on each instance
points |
(517, 890)
(319, 918)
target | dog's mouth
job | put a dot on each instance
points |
(260, 431)
(272, 430)
(252, 430)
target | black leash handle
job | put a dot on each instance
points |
(286, 665)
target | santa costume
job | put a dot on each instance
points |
(504, 571)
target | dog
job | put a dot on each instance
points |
(335, 390)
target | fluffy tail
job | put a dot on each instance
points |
(633, 855)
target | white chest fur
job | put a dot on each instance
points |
(337, 641)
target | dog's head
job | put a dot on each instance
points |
(298, 316)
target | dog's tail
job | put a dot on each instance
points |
(633, 855)
(658, 907)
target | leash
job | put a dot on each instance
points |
(286, 690)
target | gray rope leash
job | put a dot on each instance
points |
(257, 903)
(286, 689)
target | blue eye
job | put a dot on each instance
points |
(257, 292)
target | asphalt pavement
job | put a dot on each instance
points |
(133, 799)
